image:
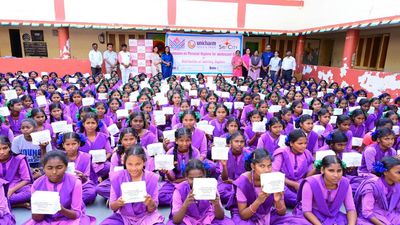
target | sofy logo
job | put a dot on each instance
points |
(176, 43)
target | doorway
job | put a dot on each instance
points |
(15, 41)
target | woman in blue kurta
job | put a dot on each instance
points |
(167, 62)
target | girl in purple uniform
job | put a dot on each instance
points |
(16, 115)
(270, 139)
(296, 162)
(134, 213)
(6, 217)
(138, 122)
(323, 119)
(306, 124)
(378, 198)
(95, 140)
(69, 187)
(186, 210)
(221, 114)
(15, 170)
(323, 195)
(70, 143)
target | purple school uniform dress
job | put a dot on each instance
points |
(370, 121)
(358, 131)
(15, 170)
(235, 167)
(294, 166)
(247, 193)
(6, 217)
(165, 193)
(249, 134)
(268, 142)
(103, 189)
(288, 128)
(376, 198)
(101, 142)
(134, 213)
(83, 164)
(312, 142)
(147, 138)
(246, 110)
(15, 125)
(198, 213)
(199, 141)
(73, 110)
(6, 132)
(371, 154)
(322, 137)
(70, 189)
(323, 203)
(219, 127)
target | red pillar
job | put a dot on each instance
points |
(350, 46)
(299, 49)
(63, 42)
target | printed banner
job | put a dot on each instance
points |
(141, 51)
(203, 53)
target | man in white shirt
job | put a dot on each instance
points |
(110, 59)
(124, 59)
(96, 60)
(288, 66)
(274, 66)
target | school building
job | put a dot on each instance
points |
(354, 42)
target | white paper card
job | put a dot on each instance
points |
(45, 202)
(129, 105)
(71, 168)
(33, 86)
(219, 142)
(133, 191)
(333, 120)
(337, 111)
(351, 109)
(133, 96)
(118, 168)
(205, 188)
(308, 100)
(195, 102)
(330, 90)
(207, 128)
(355, 141)
(67, 128)
(168, 110)
(98, 155)
(282, 140)
(160, 120)
(258, 127)
(352, 159)
(113, 129)
(319, 155)
(72, 80)
(228, 105)
(307, 112)
(164, 162)
(273, 182)
(10, 94)
(40, 137)
(155, 149)
(88, 101)
(371, 110)
(359, 99)
(396, 129)
(122, 113)
(225, 94)
(320, 94)
(219, 153)
(169, 134)
(103, 96)
(243, 88)
(319, 129)
(41, 101)
(274, 108)
(58, 126)
(4, 111)
(238, 105)
(193, 93)
(161, 100)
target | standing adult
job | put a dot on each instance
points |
(167, 61)
(96, 59)
(237, 63)
(155, 62)
(124, 59)
(255, 65)
(275, 66)
(246, 63)
(288, 66)
(110, 58)
(266, 57)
